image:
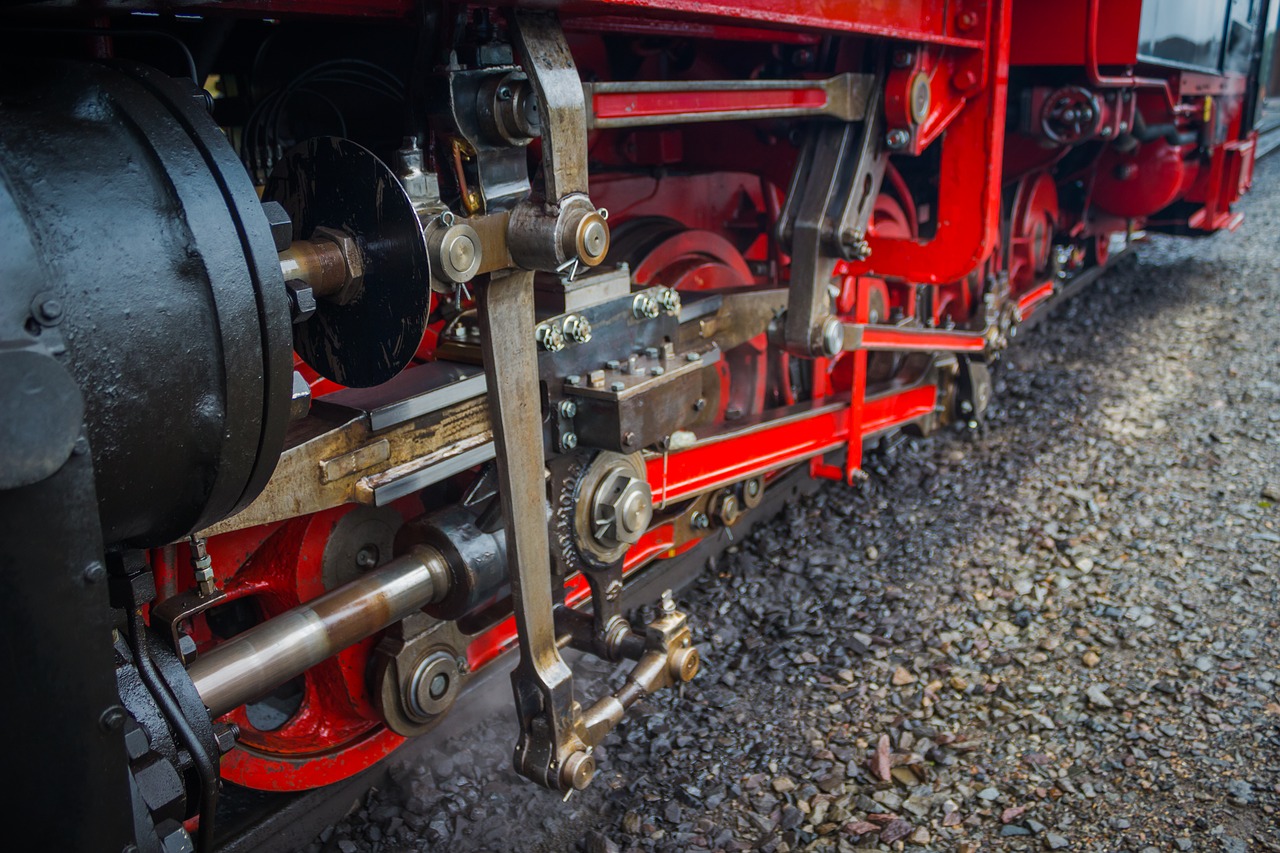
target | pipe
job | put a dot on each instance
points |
(1096, 78)
(267, 655)
(1144, 132)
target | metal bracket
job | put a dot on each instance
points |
(565, 230)
(542, 46)
(556, 738)
(829, 204)
(543, 683)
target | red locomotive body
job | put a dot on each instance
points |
(565, 289)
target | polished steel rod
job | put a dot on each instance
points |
(267, 655)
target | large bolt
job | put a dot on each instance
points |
(551, 337)
(669, 300)
(577, 328)
(623, 510)
(726, 508)
(644, 306)
(455, 251)
(352, 259)
(433, 686)
(50, 310)
(586, 235)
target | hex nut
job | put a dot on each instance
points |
(550, 337)
(577, 328)
(281, 224)
(302, 301)
(644, 307)
(669, 299)
(351, 257)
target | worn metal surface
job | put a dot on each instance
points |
(206, 428)
(337, 457)
(542, 682)
(541, 43)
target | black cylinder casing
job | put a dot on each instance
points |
(477, 559)
(150, 241)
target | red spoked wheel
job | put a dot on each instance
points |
(1032, 223)
(322, 726)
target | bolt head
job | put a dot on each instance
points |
(174, 838)
(683, 664)
(623, 510)
(832, 336)
(577, 328)
(618, 386)
(897, 139)
(578, 770)
(112, 719)
(568, 441)
(367, 557)
(669, 300)
(461, 252)
(644, 307)
(568, 409)
(95, 572)
(595, 238)
(551, 337)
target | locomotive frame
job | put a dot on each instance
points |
(390, 337)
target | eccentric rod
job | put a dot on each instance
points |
(267, 655)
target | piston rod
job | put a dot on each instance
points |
(267, 655)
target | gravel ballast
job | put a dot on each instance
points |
(1057, 633)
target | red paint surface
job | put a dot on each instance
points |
(609, 105)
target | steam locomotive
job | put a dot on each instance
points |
(346, 347)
